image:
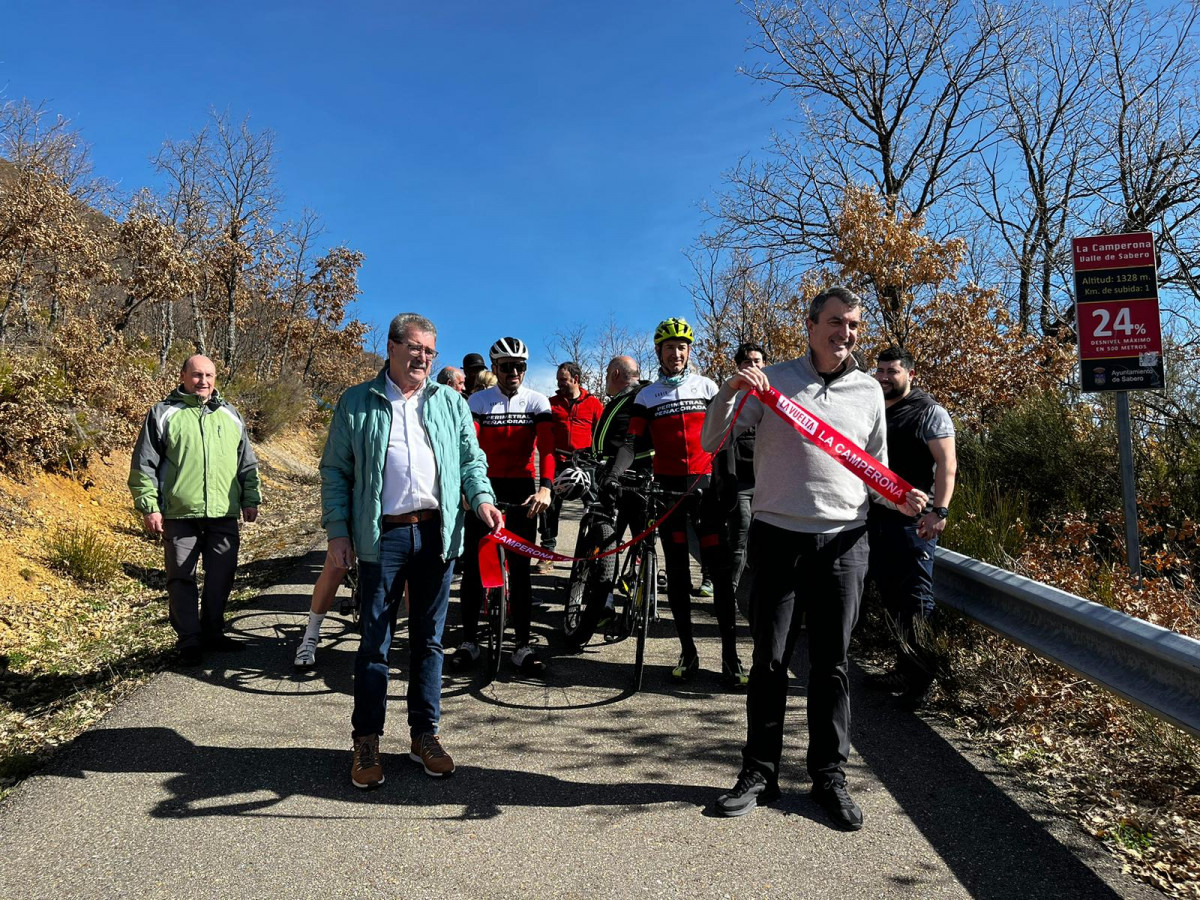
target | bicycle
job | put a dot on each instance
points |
(497, 605)
(351, 607)
(638, 582)
(590, 540)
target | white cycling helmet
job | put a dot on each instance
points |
(509, 346)
(572, 483)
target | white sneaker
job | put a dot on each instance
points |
(527, 661)
(465, 656)
(306, 654)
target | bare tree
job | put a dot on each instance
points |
(32, 138)
(888, 94)
(593, 348)
(239, 171)
(1035, 177)
(186, 202)
(296, 289)
(1148, 176)
(738, 301)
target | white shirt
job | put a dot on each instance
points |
(410, 480)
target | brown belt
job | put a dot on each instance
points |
(412, 518)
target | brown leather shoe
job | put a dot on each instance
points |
(428, 751)
(367, 770)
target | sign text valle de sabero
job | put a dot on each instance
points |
(1116, 310)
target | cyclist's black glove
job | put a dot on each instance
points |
(610, 490)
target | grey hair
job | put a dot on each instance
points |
(626, 365)
(405, 322)
(447, 374)
(847, 296)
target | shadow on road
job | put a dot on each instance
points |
(994, 847)
(227, 781)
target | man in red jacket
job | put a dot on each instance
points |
(576, 413)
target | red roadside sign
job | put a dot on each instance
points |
(1116, 312)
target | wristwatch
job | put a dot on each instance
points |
(940, 511)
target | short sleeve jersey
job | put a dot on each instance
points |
(510, 427)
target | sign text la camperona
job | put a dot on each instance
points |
(1116, 309)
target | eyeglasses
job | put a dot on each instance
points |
(517, 366)
(418, 350)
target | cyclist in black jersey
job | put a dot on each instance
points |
(671, 412)
(622, 382)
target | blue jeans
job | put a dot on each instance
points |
(412, 554)
(902, 567)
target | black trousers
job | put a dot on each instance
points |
(508, 491)
(821, 575)
(703, 507)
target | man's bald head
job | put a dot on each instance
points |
(621, 373)
(198, 376)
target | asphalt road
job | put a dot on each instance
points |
(232, 781)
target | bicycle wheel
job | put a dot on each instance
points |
(352, 606)
(496, 601)
(626, 586)
(644, 602)
(573, 608)
(588, 579)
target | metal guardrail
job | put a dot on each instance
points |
(1154, 667)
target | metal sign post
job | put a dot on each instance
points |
(1133, 549)
(1120, 340)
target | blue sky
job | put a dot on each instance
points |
(506, 167)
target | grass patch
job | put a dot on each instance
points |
(991, 526)
(84, 554)
(1131, 837)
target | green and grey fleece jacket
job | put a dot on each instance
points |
(193, 460)
(798, 487)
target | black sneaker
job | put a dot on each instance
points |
(839, 806)
(465, 656)
(222, 643)
(734, 675)
(752, 789)
(686, 669)
(891, 681)
(915, 694)
(191, 656)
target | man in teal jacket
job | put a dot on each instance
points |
(193, 472)
(400, 457)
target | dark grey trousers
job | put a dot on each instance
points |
(187, 541)
(821, 575)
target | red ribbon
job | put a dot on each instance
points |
(853, 457)
(862, 464)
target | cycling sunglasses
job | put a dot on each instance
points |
(516, 366)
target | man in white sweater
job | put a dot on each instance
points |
(808, 549)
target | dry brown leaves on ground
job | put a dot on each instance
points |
(1130, 779)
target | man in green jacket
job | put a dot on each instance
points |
(400, 457)
(193, 472)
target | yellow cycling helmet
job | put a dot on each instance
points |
(673, 329)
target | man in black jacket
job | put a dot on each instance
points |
(622, 381)
(920, 439)
(733, 474)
